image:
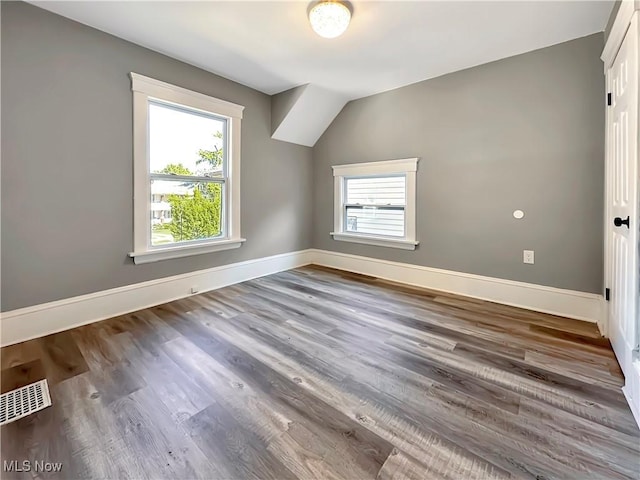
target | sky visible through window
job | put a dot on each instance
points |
(175, 137)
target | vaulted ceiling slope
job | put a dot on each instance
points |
(269, 45)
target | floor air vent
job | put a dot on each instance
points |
(24, 401)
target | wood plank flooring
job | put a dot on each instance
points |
(315, 373)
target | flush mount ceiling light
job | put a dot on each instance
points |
(329, 18)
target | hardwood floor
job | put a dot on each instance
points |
(314, 373)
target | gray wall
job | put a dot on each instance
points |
(612, 18)
(67, 162)
(282, 103)
(524, 133)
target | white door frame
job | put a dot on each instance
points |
(614, 41)
(629, 9)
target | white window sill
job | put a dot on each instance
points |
(375, 240)
(184, 250)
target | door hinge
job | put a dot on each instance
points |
(607, 294)
(609, 99)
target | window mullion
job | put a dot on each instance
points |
(377, 206)
(185, 178)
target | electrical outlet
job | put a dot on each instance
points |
(195, 289)
(527, 256)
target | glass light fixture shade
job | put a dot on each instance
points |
(329, 18)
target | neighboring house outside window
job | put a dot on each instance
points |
(375, 203)
(186, 172)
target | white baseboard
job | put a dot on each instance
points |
(557, 301)
(631, 390)
(47, 318)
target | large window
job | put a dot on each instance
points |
(375, 203)
(186, 172)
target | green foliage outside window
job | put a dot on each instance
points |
(196, 216)
(176, 169)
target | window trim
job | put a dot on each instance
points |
(405, 166)
(147, 89)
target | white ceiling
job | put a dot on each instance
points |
(270, 46)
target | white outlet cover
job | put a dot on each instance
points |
(528, 256)
(518, 214)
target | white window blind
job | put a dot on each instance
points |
(375, 205)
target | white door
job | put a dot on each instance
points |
(622, 209)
